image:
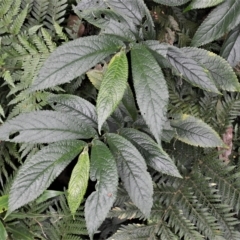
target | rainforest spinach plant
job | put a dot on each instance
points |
(148, 114)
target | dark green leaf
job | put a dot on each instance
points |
(104, 170)
(133, 172)
(230, 49)
(76, 106)
(112, 87)
(78, 182)
(222, 74)
(222, 19)
(192, 71)
(156, 157)
(151, 89)
(45, 127)
(172, 2)
(3, 232)
(74, 58)
(195, 132)
(39, 171)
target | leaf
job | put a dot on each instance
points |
(96, 76)
(156, 157)
(133, 172)
(47, 194)
(112, 87)
(40, 170)
(3, 232)
(230, 48)
(222, 19)
(3, 203)
(222, 74)
(74, 58)
(104, 170)
(21, 232)
(76, 106)
(195, 132)
(129, 103)
(44, 127)
(193, 72)
(78, 183)
(196, 4)
(151, 89)
(172, 3)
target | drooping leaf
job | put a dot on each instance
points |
(74, 58)
(47, 194)
(3, 232)
(78, 182)
(39, 171)
(222, 74)
(172, 2)
(44, 127)
(129, 103)
(76, 106)
(112, 87)
(194, 131)
(151, 89)
(222, 19)
(230, 48)
(192, 71)
(3, 203)
(104, 170)
(156, 157)
(133, 172)
(196, 4)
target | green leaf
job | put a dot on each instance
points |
(20, 232)
(195, 132)
(3, 203)
(44, 127)
(172, 2)
(112, 87)
(222, 74)
(196, 4)
(76, 106)
(133, 172)
(192, 71)
(74, 58)
(3, 232)
(222, 19)
(230, 48)
(47, 194)
(39, 171)
(104, 170)
(78, 183)
(156, 157)
(151, 89)
(129, 103)
(96, 76)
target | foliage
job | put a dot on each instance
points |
(149, 115)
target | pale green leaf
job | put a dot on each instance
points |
(172, 2)
(221, 72)
(3, 232)
(190, 70)
(196, 4)
(230, 48)
(83, 110)
(133, 172)
(78, 182)
(44, 127)
(151, 89)
(40, 170)
(222, 19)
(155, 156)
(96, 76)
(104, 170)
(47, 194)
(194, 131)
(112, 87)
(3, 203)
(74, 58)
